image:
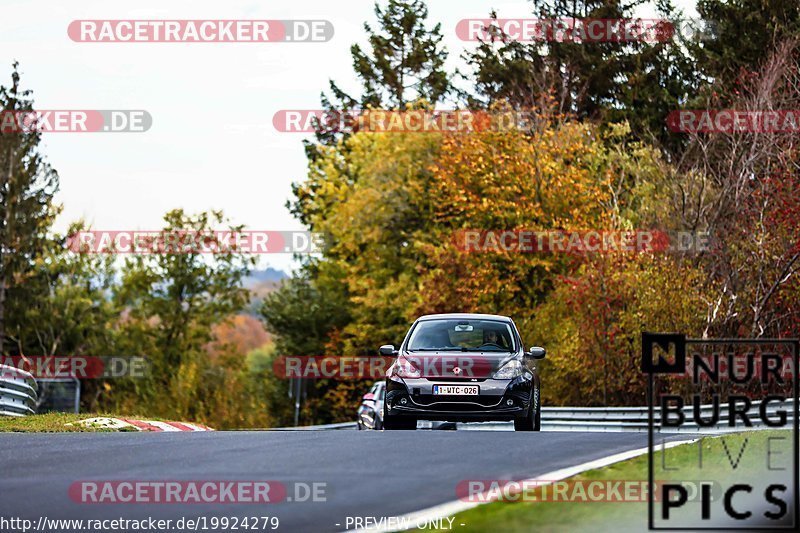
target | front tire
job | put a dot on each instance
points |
(406, 423)
(525, 423)
(533, 420)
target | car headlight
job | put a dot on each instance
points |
(403, 368)
(509, 370)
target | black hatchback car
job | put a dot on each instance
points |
(462, 368)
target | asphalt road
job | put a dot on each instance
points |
(366, 473)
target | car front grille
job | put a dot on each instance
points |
(456, 403)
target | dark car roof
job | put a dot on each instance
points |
(465, 316)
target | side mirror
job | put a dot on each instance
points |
(388, 349)
(536, 353)
(368, 397)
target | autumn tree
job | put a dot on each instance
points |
(599, 157)
(507, 181)
(375, 206)
(741, 186)
(238, 334)
(592, 323)
(173, 299)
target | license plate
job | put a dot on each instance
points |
(456, 390)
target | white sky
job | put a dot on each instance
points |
(212, 144)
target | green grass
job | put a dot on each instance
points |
(509, 516)
(57, 423)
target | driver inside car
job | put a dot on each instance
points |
(491, 336)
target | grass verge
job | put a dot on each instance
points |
(57, 423)
(746, 450)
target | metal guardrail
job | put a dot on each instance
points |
(602, 419)
(636, 419)
(18, 392)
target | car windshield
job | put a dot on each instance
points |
(462, 335)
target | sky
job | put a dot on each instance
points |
(212, 144)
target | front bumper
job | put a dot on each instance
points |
(414, 397)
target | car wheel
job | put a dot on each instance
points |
(532, 421)
(537, 421)
(399, 422)
(524, 423)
